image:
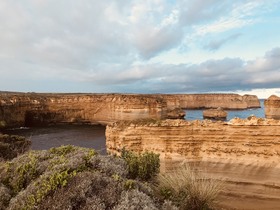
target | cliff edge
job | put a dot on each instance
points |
(244, 153)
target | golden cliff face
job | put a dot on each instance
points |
(27, 109)
(36, 109)
(244, 153)
(253, 139)
(272, 107)
(201, 101)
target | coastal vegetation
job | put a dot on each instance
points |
(12, 146)
(188, 189)
(69, 177)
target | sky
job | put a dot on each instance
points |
(140, 46)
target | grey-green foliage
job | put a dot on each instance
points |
(135, 200)
(34, 175)
(5, 196)
(12, 146)
(143, 166)
(71, 177)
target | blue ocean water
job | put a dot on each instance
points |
(259, 112)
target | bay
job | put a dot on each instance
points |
(258, 112)
(93, 136)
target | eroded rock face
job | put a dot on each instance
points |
(215, 114)
(36, 109)
(240, 151)
(27, 109)
(176, 113)
(244, 139)
(207, 101)
(272, 107)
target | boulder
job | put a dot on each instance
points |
(215, 114)
(176, 113)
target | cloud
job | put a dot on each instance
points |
(228, 74)
(270, 62)
(193, 12)
(109, 45)
(232, 16)
(218, 43)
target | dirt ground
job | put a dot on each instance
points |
(246, 196)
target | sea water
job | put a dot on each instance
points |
(90, 136)
(258, 112)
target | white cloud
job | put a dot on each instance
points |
(110, 44)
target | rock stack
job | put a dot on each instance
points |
(215, 114)
(176, 113)
(272, 107)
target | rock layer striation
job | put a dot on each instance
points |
(272, 107)
(27, 109)
(215, 114)
(207, 101)
(244, 153)
(36, 109)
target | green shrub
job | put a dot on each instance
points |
(62, 150)
(12, 146)
(188, 189)
(2, 124)
(143, 166)
(129, 184)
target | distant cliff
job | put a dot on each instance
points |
(202, 101)
(36, 109)
(272, 107)
(27, 109)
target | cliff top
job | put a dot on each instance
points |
(252, 120)
(274, 98)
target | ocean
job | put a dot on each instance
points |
(93, 136)
(258, 112)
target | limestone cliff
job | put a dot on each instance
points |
(27, 109)
(35, 109)
(253, 139)
(202, 101)
(272, 107)
(240, 151)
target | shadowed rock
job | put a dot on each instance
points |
(176, 113)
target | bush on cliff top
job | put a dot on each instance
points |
(144, 166)
(12, 146)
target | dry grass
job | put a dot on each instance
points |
(188, 189)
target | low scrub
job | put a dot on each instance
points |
(70, 177)
(143, 166)
(12, 146)
(188, 189)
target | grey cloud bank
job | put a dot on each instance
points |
(108, 46)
